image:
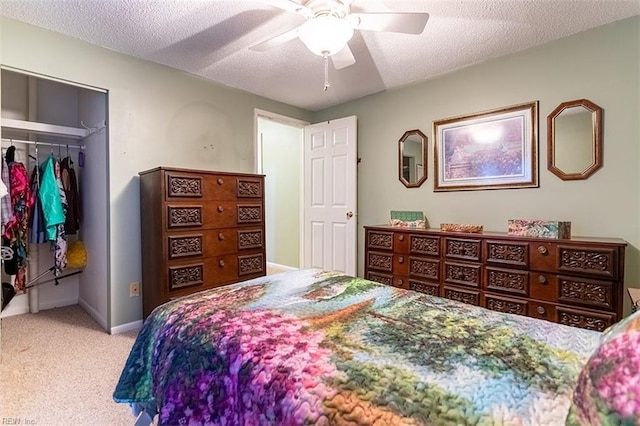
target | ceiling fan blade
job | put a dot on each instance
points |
(275, 41)
(343, 58)
(407, 23)
(291, 6)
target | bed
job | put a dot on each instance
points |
(311, 347)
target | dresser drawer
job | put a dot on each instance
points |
(570, 290)
(544, 286)
(586, 292)
(379, 278)
(400, 281)
(213, 215)
(188, 275)
(379, 240)
(510, 281)
(424, 268)
(583, 260)
(432, 289)
(380, 262)
(465, 296)
(206, 187)
(211, 271)
(543, 256)
(507, 253)
(542, 310)
(596, 261)
(467, 274)
(571, 316)
(401, 242)
(462, 248)
(597, 321)
(508, 305)
(213, 242)
(424, 245)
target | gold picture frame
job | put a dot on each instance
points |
(496, 149)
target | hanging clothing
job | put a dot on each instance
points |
(7, 208)
(49, 195)
(16, 229)
(38, 234)
(60, 244)
(70, 185)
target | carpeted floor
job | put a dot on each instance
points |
(58, 367)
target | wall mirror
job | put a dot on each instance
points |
(574, 140)
(412, 155)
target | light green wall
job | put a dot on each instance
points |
(602, 65)
(157, 116)
(282, 159)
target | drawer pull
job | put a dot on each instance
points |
(401, 259)
(542, 250)
(542, 279)
(220, 181)
(221, 263)
(541, 310)
(220, 209)
(401, 237)
(221, 236)
(400, 282)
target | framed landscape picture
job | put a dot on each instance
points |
(494, 149)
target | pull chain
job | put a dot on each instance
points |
(326, 73)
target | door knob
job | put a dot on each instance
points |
(349, 215)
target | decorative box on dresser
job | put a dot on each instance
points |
(577, 282)
(200, 229)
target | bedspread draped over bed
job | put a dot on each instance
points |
(313, 347)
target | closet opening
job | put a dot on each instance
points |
(55, 225)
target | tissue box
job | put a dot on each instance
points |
(540, 228)
(407, 219)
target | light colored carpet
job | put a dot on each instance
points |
(59, 367)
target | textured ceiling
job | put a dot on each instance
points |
(211, 38)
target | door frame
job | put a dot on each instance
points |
(288, 121)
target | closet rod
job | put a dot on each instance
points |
(62, 145)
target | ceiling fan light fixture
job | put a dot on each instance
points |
(325, 35)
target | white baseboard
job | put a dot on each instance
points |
(50, 304)
(20, 305)
(278, 266)
(93, 313)
(17, 306)
(130, 326)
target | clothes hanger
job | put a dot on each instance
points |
(37, 166)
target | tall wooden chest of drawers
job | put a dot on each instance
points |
(200, 229)
(577, 282)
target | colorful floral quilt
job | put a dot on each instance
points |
(309, 347)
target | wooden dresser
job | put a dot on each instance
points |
(577, 282)
(200, 229)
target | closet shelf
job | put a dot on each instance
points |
(44, 128)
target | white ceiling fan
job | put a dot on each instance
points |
(330, 24)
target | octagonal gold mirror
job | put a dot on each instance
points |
(412, 158)
(574, 140)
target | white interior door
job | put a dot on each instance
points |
(330, 218)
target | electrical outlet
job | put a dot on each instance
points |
(134, 289)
